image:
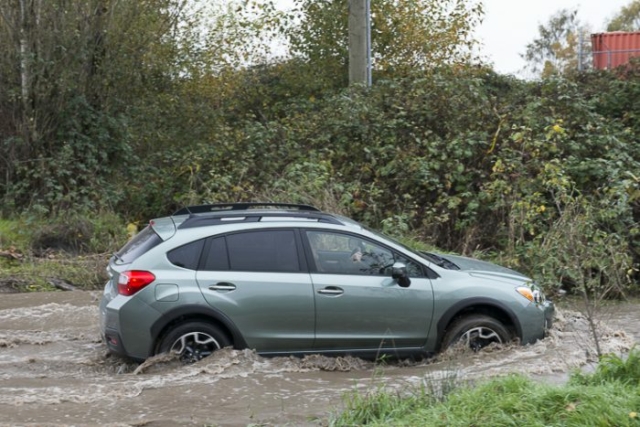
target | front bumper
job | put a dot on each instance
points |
(536, 320)
(549, 310)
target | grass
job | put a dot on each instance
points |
(72, 249)
(13, 234)
(30, 274)
(608, 397)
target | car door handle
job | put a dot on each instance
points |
(331, 290)
(222, 286)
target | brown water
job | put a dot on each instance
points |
(54, 371)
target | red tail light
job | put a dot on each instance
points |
(132, 281)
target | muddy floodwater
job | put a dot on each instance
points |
(54, 371)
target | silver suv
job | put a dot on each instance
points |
(290, 279)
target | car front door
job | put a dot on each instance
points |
(260, 281)
(358, 304)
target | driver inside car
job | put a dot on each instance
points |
(356, 254)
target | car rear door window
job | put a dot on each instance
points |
(265, 250)
(217, 257)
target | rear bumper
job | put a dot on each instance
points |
(109, 326)
(114, 342)
(125, 324)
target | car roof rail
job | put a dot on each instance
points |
(205, 220)
(220, 207)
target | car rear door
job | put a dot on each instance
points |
(259, 279)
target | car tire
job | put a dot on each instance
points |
(193, 341)
(478, 330)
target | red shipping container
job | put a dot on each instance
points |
(613, 49)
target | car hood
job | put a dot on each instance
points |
(477, 267)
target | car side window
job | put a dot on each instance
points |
(337, 253)
(186, 256)
(264, 250)
(217, 258)
(413, 268)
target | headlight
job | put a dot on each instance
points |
(532, 293)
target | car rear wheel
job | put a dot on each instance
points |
(193, 341)
(475, 332)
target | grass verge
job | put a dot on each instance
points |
(608, 397)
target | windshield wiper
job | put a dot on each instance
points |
(439, 261)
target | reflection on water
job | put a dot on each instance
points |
(55, 371)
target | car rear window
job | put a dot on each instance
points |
(141, 243)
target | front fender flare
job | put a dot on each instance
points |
(468, 303)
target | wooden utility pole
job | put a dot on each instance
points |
(359, 42)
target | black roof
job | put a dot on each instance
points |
(219, 213)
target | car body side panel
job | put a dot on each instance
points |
(457, 291)
(272, 311)
(120, 313)
(174, 287)
(372, 312)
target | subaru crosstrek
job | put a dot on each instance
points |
(291, 279)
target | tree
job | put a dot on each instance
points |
(68, 71)
(405, 35)
(627, 19)
(560, 47)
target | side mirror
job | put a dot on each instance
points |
(399, 273)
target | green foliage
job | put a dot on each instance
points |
(563, 153)
(36, 274)
(502, 178)
(384, 407)
(627, 19)
(72, 71)
(610, 396)
(581, 252)
(405, 36)
(379, 407)
(71, 248)
(611, 368)
(613, 93)
(80, 167)
(79, 232)
(13, 233)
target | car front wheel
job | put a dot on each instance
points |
(476, 331)
(193, 341)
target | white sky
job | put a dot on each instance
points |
(509, 25)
